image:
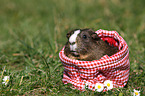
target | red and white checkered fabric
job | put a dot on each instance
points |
(114, 68)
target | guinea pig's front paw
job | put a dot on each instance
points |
(85, 57)
(72, 57)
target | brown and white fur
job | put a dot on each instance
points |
(84, 44)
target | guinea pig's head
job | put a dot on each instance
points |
(81, 41)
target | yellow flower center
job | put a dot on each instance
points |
(108, 84)
(99, 86)
(7, 80)
(136, 93)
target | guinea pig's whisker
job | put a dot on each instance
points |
(72, 51)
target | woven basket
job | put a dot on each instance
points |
(114, 68)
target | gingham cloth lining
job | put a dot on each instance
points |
(114, 68)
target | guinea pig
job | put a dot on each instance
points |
(84, 44)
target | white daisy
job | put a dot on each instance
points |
(136, 93)
(108, 84)
(99, 87)
(6, 80)
(86, 85)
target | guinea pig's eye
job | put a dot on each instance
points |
(84, 36)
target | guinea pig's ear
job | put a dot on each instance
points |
(69, 34)
(95, 36)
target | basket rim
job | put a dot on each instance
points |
(123, 49)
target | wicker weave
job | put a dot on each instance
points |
(114, 68)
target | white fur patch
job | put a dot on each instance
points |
(73, 37)
(72, 40)
(73, 47)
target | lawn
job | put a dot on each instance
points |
(33, 32)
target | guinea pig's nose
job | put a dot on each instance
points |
(73, 47)
(72, 43)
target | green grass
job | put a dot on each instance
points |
(33, 32)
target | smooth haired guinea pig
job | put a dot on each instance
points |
(84, 44)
